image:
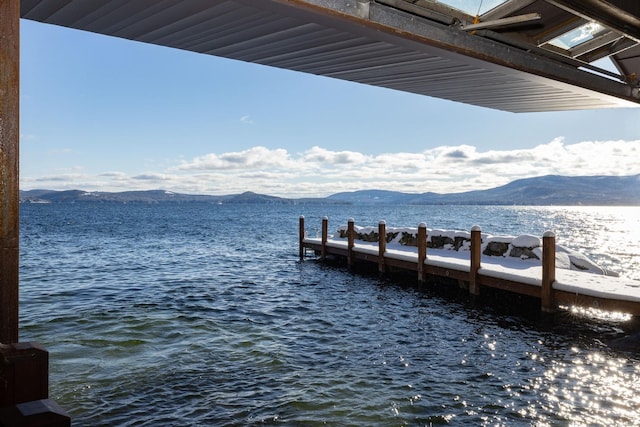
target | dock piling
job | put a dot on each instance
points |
(350, 241)
(476, 254)
(325, 236)
(548, 271)
(382, 245)
(301, 237)
(422, 250)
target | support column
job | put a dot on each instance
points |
(382, 245)
(24, 371)
(9, 157)
(422, 250)
(476, 253)
(548, 271)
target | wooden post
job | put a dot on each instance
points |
(548, 271)
(422, 250)
(382, 245)
(301, 237)
(24, 368)
(476, 253)
(350, 239)
(9, 159)
(325, 236)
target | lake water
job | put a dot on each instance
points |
(202, 315)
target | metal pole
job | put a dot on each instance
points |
(9, 156)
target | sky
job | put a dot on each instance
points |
(104, 114)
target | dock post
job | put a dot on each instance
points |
(350, 239)
(301, 237)
(422, 250)
(548, 271)
(382, 245)
(325, 236)
(476, 253)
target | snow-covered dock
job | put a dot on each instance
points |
(524, 265)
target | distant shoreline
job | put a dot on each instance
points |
(549, 190)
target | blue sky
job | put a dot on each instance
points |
(105, 114)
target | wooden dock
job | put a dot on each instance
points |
(553, 287)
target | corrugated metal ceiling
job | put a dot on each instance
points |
(363, 42)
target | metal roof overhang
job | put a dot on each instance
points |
(361, 41)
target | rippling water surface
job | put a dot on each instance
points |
(160, 315)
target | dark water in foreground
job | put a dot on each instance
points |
(201, 315)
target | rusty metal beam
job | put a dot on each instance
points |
(9, 191)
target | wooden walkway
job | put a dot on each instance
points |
(554, 287)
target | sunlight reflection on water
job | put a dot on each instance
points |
(589, 389)
(612, 239)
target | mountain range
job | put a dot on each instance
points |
(538, 191)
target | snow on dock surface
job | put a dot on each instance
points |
(600, 286)
(575, 273)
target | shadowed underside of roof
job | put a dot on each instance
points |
(418, 46)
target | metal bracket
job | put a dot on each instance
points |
(362, 9)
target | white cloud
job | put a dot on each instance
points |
(114, 175)
(255, 157)
(246, 120)
(152, 177)
(332, 158)
(319, 171)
